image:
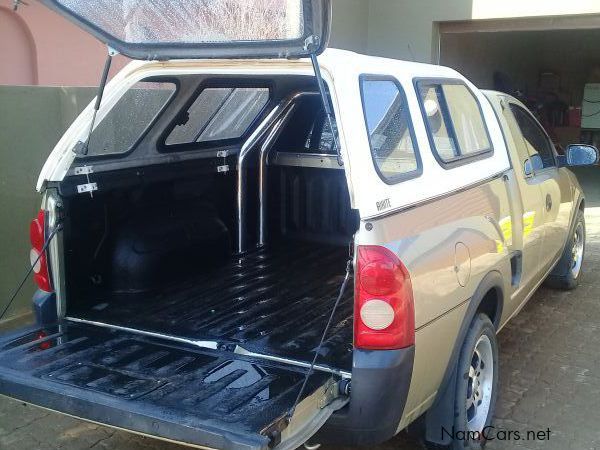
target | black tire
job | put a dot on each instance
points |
(480, 331)
(564, 276)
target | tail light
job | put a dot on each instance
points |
(37, 233)
(384, 307)
(46, 344)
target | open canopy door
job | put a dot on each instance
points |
(176, 29)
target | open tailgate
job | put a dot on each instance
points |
(168, 390)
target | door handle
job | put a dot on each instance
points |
(548, 202)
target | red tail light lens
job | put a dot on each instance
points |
(37, 233)
(384, 306)
(44, 345)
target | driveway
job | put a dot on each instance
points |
(549, 376)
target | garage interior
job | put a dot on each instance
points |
(551, 65)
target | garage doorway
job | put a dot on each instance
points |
(551, 64)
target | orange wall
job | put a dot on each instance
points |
(38, 46)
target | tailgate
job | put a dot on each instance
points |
(172, 391)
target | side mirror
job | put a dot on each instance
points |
(533, 164)
(580, 155)
(537, 163)
(528, 168)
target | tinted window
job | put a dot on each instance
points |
(454, 120)
(131, 116)
(517, 138)
(537, 142)
(389, 128)
(219, 114)
(307, 129)
(320, 138)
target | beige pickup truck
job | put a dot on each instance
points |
(251, 242)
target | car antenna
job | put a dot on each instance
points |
(311, 44)
(82, 148)
(412, 54)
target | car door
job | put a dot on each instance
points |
(530, 231)
(553, 184)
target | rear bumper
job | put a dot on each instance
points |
(380, 385)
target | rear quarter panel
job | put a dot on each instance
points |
(448, 246)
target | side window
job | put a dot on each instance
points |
(454, 120)
(320, 137)
(130, 118)
(387, 118)
(308, 129)
(538, 144)
(518, 140)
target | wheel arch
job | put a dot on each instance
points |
(580, 208)
(488, 298)
(492, 305)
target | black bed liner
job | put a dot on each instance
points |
(186, 394)
(273, 301)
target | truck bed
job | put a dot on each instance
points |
(273, 301)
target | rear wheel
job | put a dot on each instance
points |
(567, 272)
(476, 386)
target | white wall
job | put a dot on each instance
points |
(407, 29)
(404, 29)
(350, 24)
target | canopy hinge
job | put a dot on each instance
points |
(311, 43)
(111, 51)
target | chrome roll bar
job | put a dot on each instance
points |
(273, 124)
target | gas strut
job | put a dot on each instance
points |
(83, 149)
(311, 44)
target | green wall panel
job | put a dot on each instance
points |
(32, 120)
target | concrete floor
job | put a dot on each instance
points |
(549, 376)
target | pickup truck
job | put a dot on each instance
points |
(251, 242)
